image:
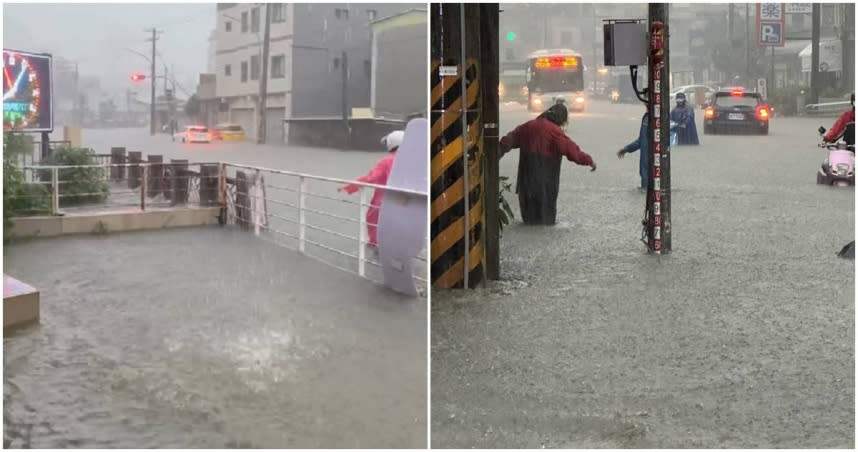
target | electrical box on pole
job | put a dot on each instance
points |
(625, 43)
(632, 43)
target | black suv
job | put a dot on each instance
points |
(736, 111)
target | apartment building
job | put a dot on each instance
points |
(319, 62)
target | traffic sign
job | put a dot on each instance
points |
(771, 25)
(762, 88)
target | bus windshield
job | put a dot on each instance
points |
(557, 74)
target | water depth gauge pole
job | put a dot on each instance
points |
(657, 221)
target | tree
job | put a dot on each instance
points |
(192, 106)
(728, 55)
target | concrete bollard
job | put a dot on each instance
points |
(134, 159)
(179, 178)
(156, 175)
(117, 157)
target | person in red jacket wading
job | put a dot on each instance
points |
(377, 175)
(543, 143)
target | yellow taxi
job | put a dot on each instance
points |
(229, 132)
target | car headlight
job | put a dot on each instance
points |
(579, 100)
(537, 101)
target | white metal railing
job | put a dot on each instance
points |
(300, 211)
(828, 108)
(137, 184)
(306, 213)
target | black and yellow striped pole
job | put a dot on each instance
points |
(456, 152)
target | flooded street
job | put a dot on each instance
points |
(742, 337)
(208, 337)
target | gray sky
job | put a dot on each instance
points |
(96, 35)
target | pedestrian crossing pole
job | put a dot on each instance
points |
(657, 219)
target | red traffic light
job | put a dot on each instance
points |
(137, 77)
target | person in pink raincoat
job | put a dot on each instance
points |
(377, 175)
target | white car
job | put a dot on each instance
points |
(196, 134)
(696, 95)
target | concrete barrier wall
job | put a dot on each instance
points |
(95, 223)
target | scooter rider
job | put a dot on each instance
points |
(683, 116)
(844, 127)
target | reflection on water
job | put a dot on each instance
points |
(209, 338)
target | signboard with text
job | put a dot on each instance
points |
(799, 8)
(771, 25)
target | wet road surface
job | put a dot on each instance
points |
(208, 337)
(742, 337)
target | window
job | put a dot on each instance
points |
(336, 63)
(278, 13)
(341, 13)
(254, 20)
(228, 25)
(244, 71)
(367, 68)
(278, 66)
(371, 14)
(227, 70)
(244, 22)
(254, 67)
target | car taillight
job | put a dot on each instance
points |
(763, 113)
(709, 113)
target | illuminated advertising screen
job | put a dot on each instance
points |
(27, 105)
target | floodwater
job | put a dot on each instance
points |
(208, 337)
(742, 337)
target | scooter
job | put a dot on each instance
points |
(839, 168)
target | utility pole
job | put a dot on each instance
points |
(489, 61)
(344, 66)
(263, 77)
(75, 108)
(848, 46)
(154, 39)
(730, 24)
(814, 57)
(747, 44)
(657, 219)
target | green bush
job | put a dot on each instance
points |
(19, 196)
(79, 185)
(785, 99)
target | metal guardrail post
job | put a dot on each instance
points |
(55, 191)
(144, 175)
(362, 208)
(302, 220)
(221, 185)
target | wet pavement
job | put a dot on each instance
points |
(208, 337)
(742, 337)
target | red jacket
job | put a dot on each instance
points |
(377, 175)
(543, 137)
(839, 126)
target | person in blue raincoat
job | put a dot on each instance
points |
(641, 144)
(683, 116)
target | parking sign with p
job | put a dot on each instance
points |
(770, 24)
